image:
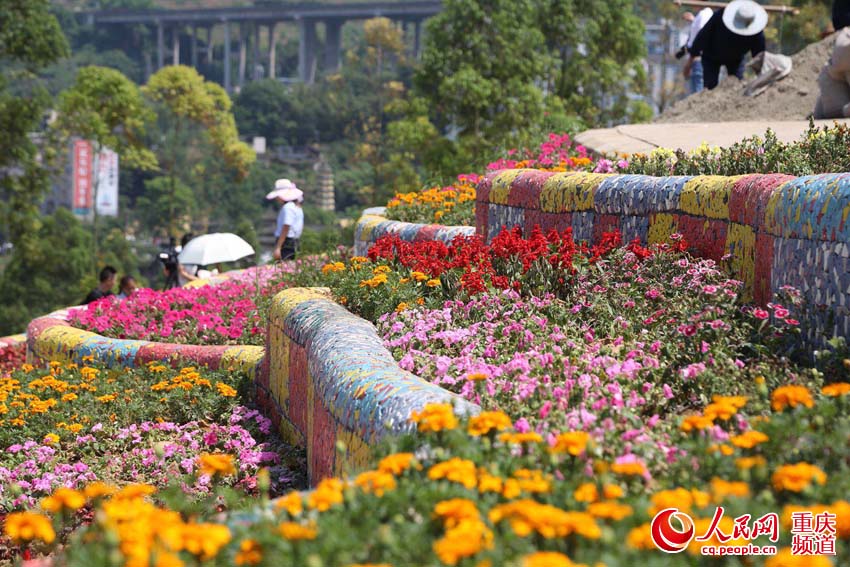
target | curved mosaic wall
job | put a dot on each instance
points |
(372, 225)
(774, 230)
(331, 380)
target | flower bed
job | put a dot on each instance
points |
(71, 425)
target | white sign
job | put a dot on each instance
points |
(107, 183)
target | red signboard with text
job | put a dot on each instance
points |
(82, 200)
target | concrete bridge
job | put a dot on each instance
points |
(306, 16)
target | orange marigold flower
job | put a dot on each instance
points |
(518, 438)
(746, 463)
(696, 422)
(720, 410)
(293, 531)
(797, 477)
(633, 468)
(736, 401)
(837, 389)
(454, 511)
(375, 482)
(548, 559)
(218, 464)
(791, 397)
(63, 499)
(455, 469)
(609, 510)
(641, 538)
(23, 527)
(785, 558)
(572, 442)
(327, 493)
(250, 552)
(488, 421)
(586, 492)
(749, 439)
(722, 489)
(466, 539)
(396, 463)
(612, 491)
(292, 503)
(435, 417)
(477, 376)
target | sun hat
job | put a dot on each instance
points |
(744, 17)
(286, 190)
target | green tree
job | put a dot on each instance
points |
(193, 112)
(167, 205)
(597, 48)
(107, 109)
(482, 66)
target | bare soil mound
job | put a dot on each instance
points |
(792, 98)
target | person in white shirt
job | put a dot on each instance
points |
(693, 67)
(290, 219)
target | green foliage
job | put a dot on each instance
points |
(29, 34)
(167, 200)
(820, 150)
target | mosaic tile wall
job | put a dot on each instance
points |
(331, 385)
(779, 230)
(373, 225)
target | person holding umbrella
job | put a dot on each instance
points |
(290, 219)
(726, 38)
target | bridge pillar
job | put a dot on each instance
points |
(256, 64)
(243, 53)
(227, 86)
(333, 45)
(417, 39)
(195, 46)
(175, 45)
(307, 50)
(209, 45)
(160, 46)
(272, 49)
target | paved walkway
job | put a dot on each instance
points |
(643, 138)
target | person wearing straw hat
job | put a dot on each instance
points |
(290, 219)
(726, 38)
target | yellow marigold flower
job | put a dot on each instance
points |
(333, 267)
(327, 493)
(720, 410)
(375, 482)
(837, 389)
(466, 539)
(454, 511)
(107, 398)
(204, 540)
(455, 469)
(488, 482)
(785, 558)
(612, 491)
(797, 477)
(634, 468)
(396, 463)
(735, 401)
(378, 270)
(477, 376)
(420, 301)
(791, 397)
(609, 510)
(641, 538)
(433, 283)
(51, 439)
(746, 463)
(98, 489)
(292, 503)
(27, 367)
(696, 422)
(547, 559)
(680, 498)
(435, 417)
(511, 489)
(63, 499)
(134, 491)
(533, 481)
(438, 215)
(225, 390)
(518, 438)
(402, 307)
(69, 397)
(250, 552)
(75, 427)
(749, 439)
(572, 442)
(586, 492)
(294, 531)
(723, 449)
(359, 259)
(370, 565)
(418, 276)
(527, 516)
(722, 489)
(488, 421)
(89, 373)
(23, 527)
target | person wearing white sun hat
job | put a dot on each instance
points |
(726, 38)
(290, 219)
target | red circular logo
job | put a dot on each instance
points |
(667, 538)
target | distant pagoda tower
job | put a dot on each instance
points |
(325, 181)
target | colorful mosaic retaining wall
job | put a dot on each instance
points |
(777, 229)
(332, 386)
(373, 225)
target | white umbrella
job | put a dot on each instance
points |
(214, 248)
